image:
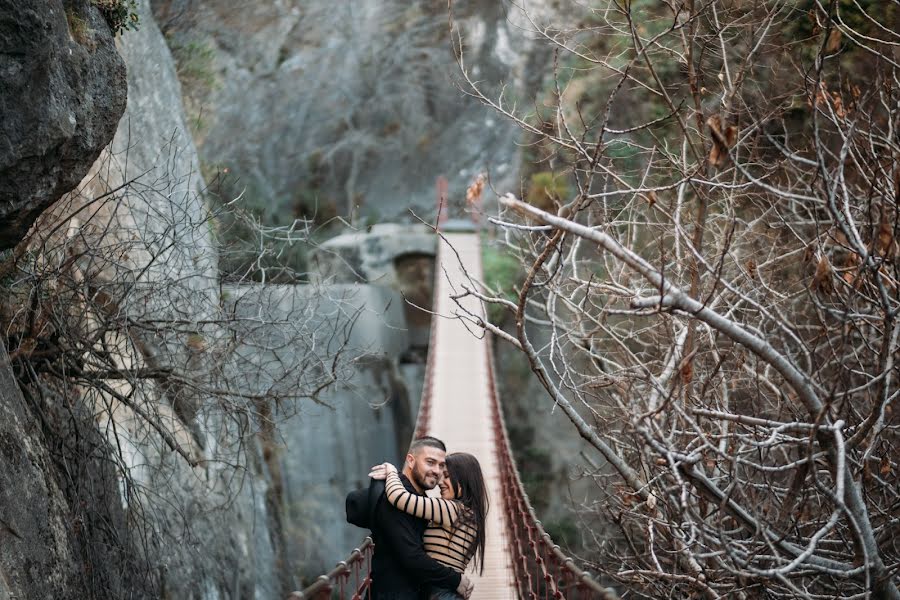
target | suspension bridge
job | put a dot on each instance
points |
(460, 405)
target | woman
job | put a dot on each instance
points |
(455, 532)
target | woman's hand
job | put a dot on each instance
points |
(381, 471)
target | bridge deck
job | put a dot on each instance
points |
(461, 403)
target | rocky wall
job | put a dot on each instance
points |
(350, 107)
(62, 91)
(325, 446)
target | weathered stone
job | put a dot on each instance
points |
(62, 92)
(35, 558)
(62, 529)
(350, 105)
(370, 257)
(400, 257)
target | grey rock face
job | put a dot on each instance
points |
(209, 537)
(35, 557)
(216, 531)
(164, 210)
(370, 257)
(400, 257)
(62, 92)
(348, 104)
(62, 530)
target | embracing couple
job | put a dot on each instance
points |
(422, 544)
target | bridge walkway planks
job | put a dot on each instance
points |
(461, 403)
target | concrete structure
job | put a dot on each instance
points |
(400, 257)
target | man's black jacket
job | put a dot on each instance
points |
(401, 570)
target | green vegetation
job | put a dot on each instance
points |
(564, 532)
(546, 190)
(310, 202)
(120, 15)
(502, 274)
(535, 467)
(195, 60)
(79, 29)
(195, 66)
(258, 236)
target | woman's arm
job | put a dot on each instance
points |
(437, 510)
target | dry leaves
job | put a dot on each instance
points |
(473, 193)
(723, 139)
(834, 41)
(822, 278)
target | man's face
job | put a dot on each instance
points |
(426, 466)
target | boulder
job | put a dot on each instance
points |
(62, 92)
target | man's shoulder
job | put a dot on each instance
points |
(360, 505)
(385, 508)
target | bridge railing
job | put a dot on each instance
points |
(542, 570)
(349, 579)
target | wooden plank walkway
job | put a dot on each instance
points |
(461, 403)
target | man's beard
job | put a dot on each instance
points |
(419, 480)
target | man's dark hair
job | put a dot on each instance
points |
(426, 440)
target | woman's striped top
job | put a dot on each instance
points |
(445, 543)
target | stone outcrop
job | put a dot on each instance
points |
(213, 531)
(371, 256)
(255, 512)
(62, 91)
(63, 533)
(37, 559)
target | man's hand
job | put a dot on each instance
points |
(381, 471)
(465, 587)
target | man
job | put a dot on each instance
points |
(401, 570)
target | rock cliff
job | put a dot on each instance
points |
(352, 105)
(63, 93)
(243, 508)
(146, 487)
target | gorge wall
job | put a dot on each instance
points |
(334, 107)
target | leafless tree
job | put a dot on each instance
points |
(116, 320)
(719, 287)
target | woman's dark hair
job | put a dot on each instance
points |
(468, 485)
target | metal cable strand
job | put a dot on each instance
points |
(542, 570)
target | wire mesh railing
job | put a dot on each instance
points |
(541, 569)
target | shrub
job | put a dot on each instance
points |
(195, 70)
(502, 274)
(120, 15)
(546, 189)
(79, 29)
